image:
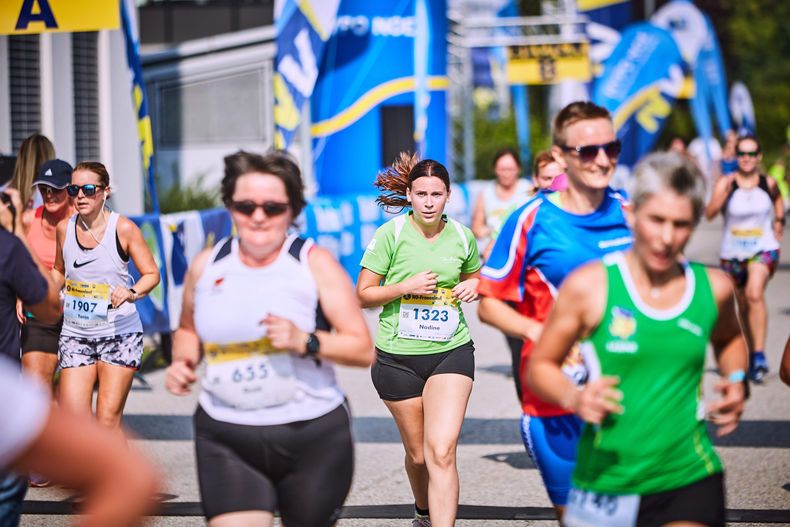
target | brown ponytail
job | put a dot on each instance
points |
(394, 181)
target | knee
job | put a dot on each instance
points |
(415, 458)
(108, 419)
(753, 294)
(442, 456)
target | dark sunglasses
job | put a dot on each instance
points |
(48, 191)
(88, 190)
(588, 153)
(753, 153)
(270, 208)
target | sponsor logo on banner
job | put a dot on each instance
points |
(548, 63)
(49, 16)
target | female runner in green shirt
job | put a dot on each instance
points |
(645, 457)
(418, 266)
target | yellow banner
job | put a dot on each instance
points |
(548, 63)
(19, 17)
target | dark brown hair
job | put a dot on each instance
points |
(97, 168)
(394, 180)
(507, 151)
(573, 113)
(277, 163)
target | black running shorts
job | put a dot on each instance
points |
(700, 502)
(303, 469)
(40, 337)
(399, 377)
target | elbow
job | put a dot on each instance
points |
(484, 310)
(366, 353)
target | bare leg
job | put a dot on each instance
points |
(114, 384)
(408, 415)
(75, 389)
(444, 403)
(754, 292)
(41, 365)
(243, 519)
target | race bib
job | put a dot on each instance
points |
(432, 317)
(85, 304)
(586, 509)
(249, 375)
(746, 240)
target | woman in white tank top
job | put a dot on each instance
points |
(754, 219)
(271, 313)
(102, 337)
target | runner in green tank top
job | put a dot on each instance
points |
(420, 266)
(645, 457)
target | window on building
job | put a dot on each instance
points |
(84, 57)
(222, 110)
(24, 82)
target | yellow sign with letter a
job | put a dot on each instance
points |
(20, 17)
(548, 63)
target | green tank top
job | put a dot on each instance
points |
(660, 442)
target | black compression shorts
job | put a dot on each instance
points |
(40, 337)
(700, 502)
(303, 469)
(399, 377)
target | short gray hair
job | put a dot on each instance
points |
(661, 171)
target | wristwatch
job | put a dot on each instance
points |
(136, 296)
(312, 345)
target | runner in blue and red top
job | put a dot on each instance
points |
(539, 245)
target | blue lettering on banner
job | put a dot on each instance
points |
(26, 14)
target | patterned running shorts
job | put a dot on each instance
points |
(121, 350)
(738, 269)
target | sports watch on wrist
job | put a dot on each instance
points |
(136, 296)
(311, 346)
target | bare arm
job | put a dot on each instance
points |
(784, 367)
(58, 272)
(732, 355)
(187, 350)
(350, 343)
(479, 227)
(718, 196)
(134, 244)
(576, 313)
(497, 313)
(119, 485)
(372, 294)
(779, 208)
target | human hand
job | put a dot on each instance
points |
(423, 283)
(726, 411)
(20, 312)
(179, 376)
(120, 295)
(284, 335)
(466, 291)
(598, 399)
(11, 211)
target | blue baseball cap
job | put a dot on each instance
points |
(54, 173)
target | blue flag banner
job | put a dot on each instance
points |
(612, 13)
(303, 27)
(153, 308)
(639, 86)
(742, 109)
(711, 67)
(132, 39)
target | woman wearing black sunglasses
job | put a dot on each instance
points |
(102, 337)
(271, 312)
(754, 219)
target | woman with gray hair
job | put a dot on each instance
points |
(645, 317)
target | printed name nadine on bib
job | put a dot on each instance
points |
(432, 317)
(249, 375)
(86, 304)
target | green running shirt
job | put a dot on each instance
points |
(397, 252)
(660, 442)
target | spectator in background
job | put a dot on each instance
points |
(500, 195)
(33, 152)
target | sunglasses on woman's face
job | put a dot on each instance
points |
(588, 153)
(753, 153)
(88, 190)
(270, 208)
(48, 192)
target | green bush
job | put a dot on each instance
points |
(179, 198)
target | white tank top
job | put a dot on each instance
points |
(496, 208)
(748, 215)
(246, 380)
(91, 276)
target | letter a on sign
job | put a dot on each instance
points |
(21, 17)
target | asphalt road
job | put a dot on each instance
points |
(499, 483)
